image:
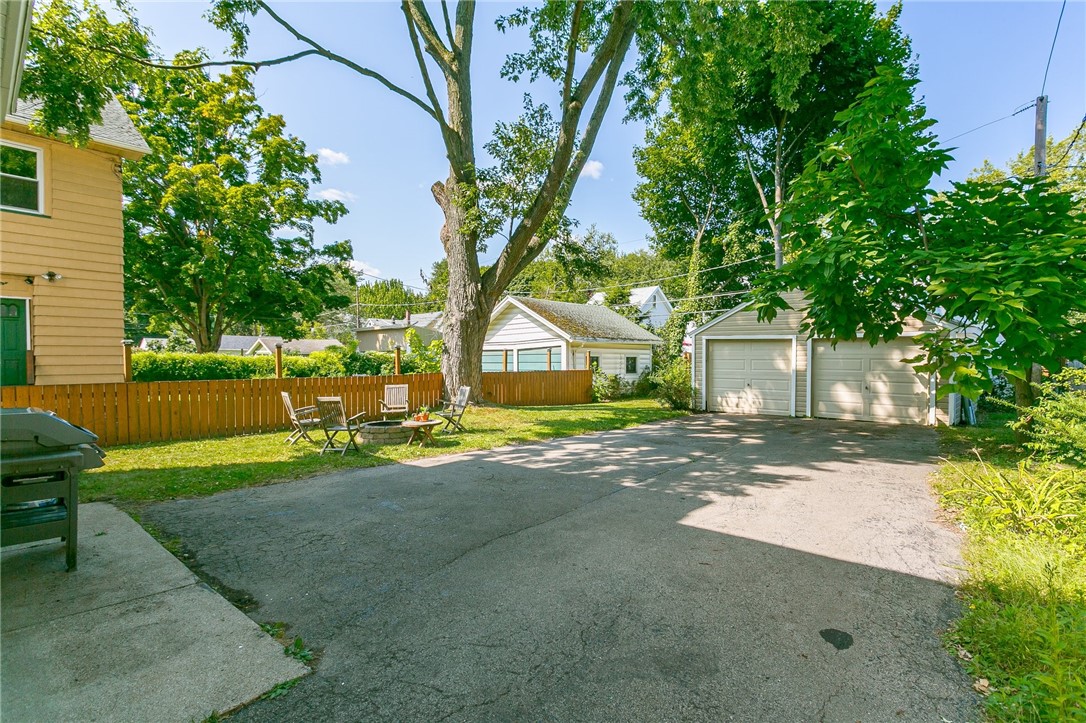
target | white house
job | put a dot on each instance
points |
(650, 301)
(387, 334)
(536, 335)
(741, 366)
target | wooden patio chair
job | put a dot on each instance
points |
(395, 401)
(333, 420)
(454, 410)
(302, 420)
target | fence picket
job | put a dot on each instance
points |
(162, 411)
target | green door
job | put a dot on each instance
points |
(13, 346)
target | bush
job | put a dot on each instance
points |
(645, 385)
(605, 387)
(1056, 425)
(673, 387)
(178, 367)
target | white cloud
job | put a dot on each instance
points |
(332, 158)
(361, 267)
(592, 169)
(335, 194)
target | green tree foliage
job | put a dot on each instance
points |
(873, 243)
(751, 88)
(63, 69)
(218, 219)
(1067, 170)
(386, 299)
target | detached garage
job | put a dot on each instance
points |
(741, 366)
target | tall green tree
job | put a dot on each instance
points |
(764, 81)
(578, 46)
(218, 217)
(1004, 262)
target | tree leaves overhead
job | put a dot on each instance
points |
(219, 222)
(62, 68)
(1003, 261)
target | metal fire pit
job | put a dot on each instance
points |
(41, 456)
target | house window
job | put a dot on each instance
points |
(594, 363)
(631, 365)
(20, 178)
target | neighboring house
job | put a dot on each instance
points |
(651, 302)
(387, 334)
(534, 335)
(62, 269)
(152, 343)
(741, 366)
(243, 345)
(305, 347)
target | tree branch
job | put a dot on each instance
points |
(557, 186)
(430, 94)
(571, 52)
(448, 25)
(335, 57)
(425, 25)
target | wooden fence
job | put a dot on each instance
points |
(530, 389)
(167, 411)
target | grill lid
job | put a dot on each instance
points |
(24, 425)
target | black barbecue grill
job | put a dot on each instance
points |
(41, 456)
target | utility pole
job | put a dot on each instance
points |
(1040, 136)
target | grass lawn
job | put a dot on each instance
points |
(160, 471)
(1022, 634)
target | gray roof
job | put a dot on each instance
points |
(245, 343)
(429, 320)
(305, 347)
(586, 322)
(116, 129)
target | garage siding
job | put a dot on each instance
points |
(744, 323)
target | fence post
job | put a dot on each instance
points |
(126, 345)
(397, 360)
(588, 360)
(279, 360)
(505, 360)
(30, 367)
(548, 359)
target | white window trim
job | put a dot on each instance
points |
(40, 154)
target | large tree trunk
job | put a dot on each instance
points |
(467, 307)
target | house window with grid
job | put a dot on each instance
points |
(20, 178)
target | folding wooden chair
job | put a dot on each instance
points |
(395, 401)
(302, 420)
(454, 410)
(333, 420)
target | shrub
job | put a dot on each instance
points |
(1056, 425)
(605, 387)
(645, 385)
(673, 387)
(177, 367)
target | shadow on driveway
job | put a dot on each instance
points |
(700, 568)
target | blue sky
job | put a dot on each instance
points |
(978, 61)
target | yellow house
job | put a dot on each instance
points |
(62, 251)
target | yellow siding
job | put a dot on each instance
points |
(77, 322)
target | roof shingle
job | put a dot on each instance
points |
(587, 322)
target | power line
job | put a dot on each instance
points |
(1070, 146)
(1053, 48)
(1022, 109)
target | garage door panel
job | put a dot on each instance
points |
(858, 381)
(749, 377)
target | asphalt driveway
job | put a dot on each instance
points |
(698, 569)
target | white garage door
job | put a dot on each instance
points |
(859, 381)
(749, 377)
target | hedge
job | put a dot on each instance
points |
(179, 367)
